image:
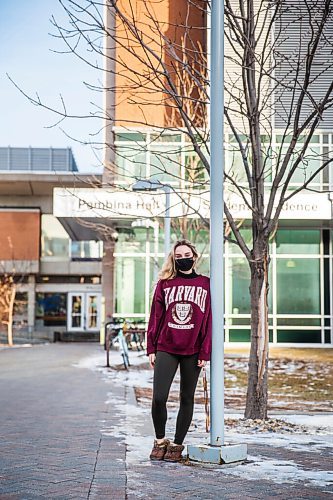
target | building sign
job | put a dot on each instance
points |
(88, 202)
(104, 203)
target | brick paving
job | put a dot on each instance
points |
(51, 414)
(69, 432)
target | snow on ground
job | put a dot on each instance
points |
(98, 361)
(296, 442)
(323, 421)
(131, 378)
(278, 471)
(311, 433)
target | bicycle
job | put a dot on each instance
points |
(134, 331)
(114, 336)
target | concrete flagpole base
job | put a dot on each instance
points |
(225, 454)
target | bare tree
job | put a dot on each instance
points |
(10, 302)
(278, 82)
(10, 284)
(7, 300)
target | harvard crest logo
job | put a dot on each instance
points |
(182, 313)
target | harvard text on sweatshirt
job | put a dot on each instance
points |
(180, 319)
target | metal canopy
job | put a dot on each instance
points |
(86, 229)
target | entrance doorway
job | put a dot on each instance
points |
(83, 311)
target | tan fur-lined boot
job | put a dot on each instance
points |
(159, 450)
(173, 452)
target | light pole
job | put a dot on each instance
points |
(147, 185)
(216, 223)
(217, 452)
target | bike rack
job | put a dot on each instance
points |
(107, 335)
(108, 332)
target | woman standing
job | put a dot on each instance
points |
(179, 334)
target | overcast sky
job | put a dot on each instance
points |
(26, 55)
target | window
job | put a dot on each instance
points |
(51, 309)
(299, 336)
(55, 240)
(86, 250)
(239, 286)
(234, 165)
(131, 161)
(247, 236)
(130, 285)
(309, 164)
(95, 280)
(165, 163)
(133, 240)
(203, 266)
(20, 319)
(195, 172)
(291, 241)
(298, 286)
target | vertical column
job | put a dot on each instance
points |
(109, 104)
(31, 305)
(108, 281)
(216, 222)
(108, 263)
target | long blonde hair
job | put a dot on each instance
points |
(169, 270)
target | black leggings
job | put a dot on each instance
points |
(164, 371)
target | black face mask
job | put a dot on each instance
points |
(184, 264)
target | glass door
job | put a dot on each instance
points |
(84, 311)
(92, 311)
(75, 318)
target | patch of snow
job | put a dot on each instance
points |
(237, 364)
(278, 471)
(138, 378)
(323, 421)
(96, 362)
(129, 427)
(93, 362)
(294, 442)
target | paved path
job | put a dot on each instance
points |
(69, 432)
(51, 416)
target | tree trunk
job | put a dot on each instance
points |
(256, 399)
(11, 315)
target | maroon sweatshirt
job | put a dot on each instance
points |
(180, 318)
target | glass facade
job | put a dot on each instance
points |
(318, 151)
(57, 246)
(159, 157)
(301, 268)
(298, 289)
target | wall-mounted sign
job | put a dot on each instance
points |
(105, 203)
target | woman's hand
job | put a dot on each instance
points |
(152, 358)
(202, 363)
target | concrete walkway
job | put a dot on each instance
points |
(64, 433)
